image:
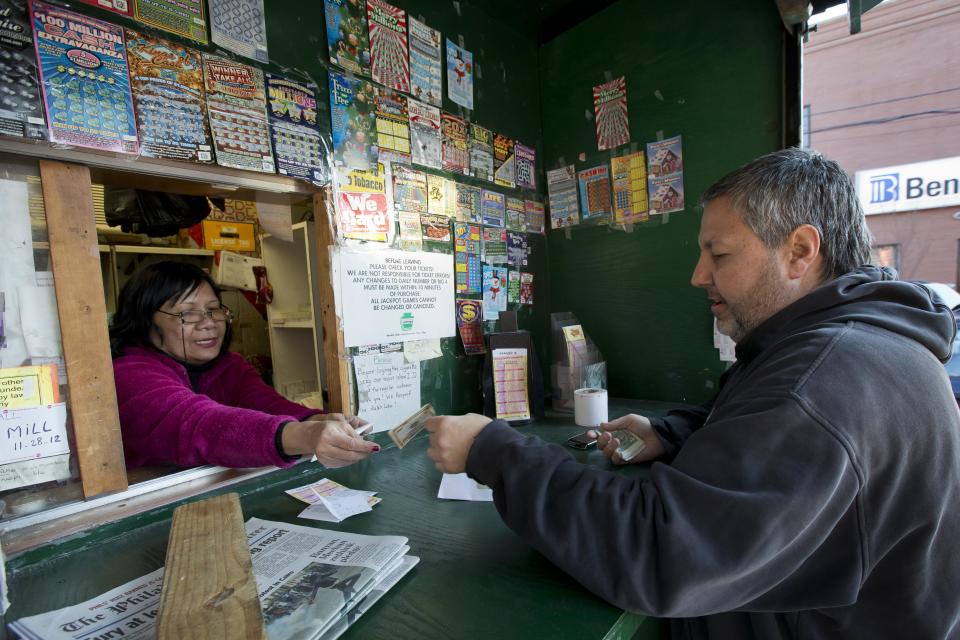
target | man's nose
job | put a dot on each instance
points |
(701, 273)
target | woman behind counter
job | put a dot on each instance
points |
(186, 400)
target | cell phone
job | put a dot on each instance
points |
(582, 441)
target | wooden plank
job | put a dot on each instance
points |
(83, 326)
(334, 353)
(209, 590)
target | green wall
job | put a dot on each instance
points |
(709, 71)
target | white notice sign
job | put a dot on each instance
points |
(395, 296)
(36, 432)
(387, 387)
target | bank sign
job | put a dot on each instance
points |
(908, 187)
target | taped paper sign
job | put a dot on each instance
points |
(37, 432)
(26, 387)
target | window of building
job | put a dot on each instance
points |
(886, 255)
(805, 127)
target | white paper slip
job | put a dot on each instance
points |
(459, 486)
(343, 504)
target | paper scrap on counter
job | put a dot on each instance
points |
(459, 486)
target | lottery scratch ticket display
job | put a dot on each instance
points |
(562, 191)
(469, 276)
(494, 248)
(389, 64)
(665, 175)
(425, 134)
(353, 122)
(409, 189)
(347, 36)
(526, 166)
(459, 75)
(83, 72)
(510, 384)
(595, 194)
(516, 214)
(535, 216)
(494, 291)
(239, 26)
(456, 157)
(435, 231)
(21, 111)
(513, 287)
(517, 249)
(504, 162)
(185, 18)
(469, 203)
(117, 6)
(493, 204)
(237, 109)
(526, 288)
(610, 114)
(481, 152)
(469, 323)
(167, 83)
(629, 175)
(425, 64)
(297, 145)
(393, 125)
(441, 196)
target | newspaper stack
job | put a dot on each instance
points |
(313, 584)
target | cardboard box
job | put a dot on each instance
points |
(228, 236)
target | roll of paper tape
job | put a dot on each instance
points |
(589, 407)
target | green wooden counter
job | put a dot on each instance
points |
(476, 577)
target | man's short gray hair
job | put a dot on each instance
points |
(780, 191)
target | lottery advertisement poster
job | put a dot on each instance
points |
(516, 214)
(469, 314)
(353, 122)
(504, 162)
(237, 110)
(469, 276)
(83, 73)
(186, 18)
(459, 75)
(117, 6)
(562, 194)
(21, 110)
(494, 291)
(595, 194)
(409, 189)
(535, 216)
(469, 203)
(455, 154)
(393, 125)
(610, 114)
(389, 64)
(629, 176)
(481, 152)
(425, 63)
(425, 145)
(239, 26)
(362, 211)
(347, 36)
(297, 146)
(526, 166)
(167, 83)
(493, 205)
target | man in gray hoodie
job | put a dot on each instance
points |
(818, 494)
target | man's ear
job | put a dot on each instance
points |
(804, 246)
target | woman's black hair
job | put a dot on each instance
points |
(148, 290)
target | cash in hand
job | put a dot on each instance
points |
(630, 444)
(406, 430)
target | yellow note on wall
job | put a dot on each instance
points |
(25, 387)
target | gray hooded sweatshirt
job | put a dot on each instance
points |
(817, 496)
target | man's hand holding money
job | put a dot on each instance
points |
(631, 434)
(451, 438)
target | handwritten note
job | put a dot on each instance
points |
(387, 387)
(37, 432)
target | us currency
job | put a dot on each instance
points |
(406, 430)
(630, 444)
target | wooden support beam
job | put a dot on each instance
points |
(83, 326)
(209, 590)
(334, 353)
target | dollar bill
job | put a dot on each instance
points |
(630, 444)
(406, 430)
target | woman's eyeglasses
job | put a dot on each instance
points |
(220, 314)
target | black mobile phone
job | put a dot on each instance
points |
(582, 441)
